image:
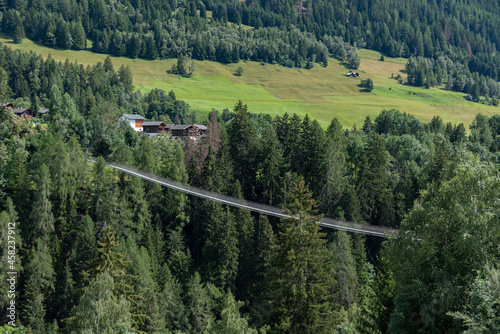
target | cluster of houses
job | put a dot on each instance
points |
(139, 124)
(25, 112)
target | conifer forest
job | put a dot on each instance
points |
(89, 249)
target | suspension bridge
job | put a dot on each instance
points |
(378, 231)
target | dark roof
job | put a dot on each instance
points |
(130, 116)
(6, 104)
(180, 127)
(43, 110)
(153, 123)
(201, 127)
(21, 110)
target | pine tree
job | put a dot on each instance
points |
(299, 277)
(125, 75)
(231, 320)
(336, 169)
(18, 180)
(146, 288)
(19, 31)
(79, 37)
(41, 279)
(5, 90)
(174, 204)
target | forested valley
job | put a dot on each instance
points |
(100, 251)
(88, 249)
(453, 43)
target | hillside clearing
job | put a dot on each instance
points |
(324, 93)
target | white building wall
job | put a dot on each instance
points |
(131, 122)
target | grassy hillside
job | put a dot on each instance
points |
(324, 93)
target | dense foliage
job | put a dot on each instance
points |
(96, 247)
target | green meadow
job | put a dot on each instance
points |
(323, 93)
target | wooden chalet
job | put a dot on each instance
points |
(186, 131)
(24, 112)
(152, 128)
(7, 105)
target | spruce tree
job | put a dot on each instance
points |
(300, 274)
(173, 308)
(345, 270)
(242, 148)
(270, 165)
(312, 157)
(373, 184)
(199, 305)
(178, 256)
(112, 263)
(220, 251)
(101, 309)
(246, 245)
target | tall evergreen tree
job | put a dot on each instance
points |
(101, 309)
(199, 305)
(242, 147)
(299, 277)
(112, 263)
(345, 270)
(373, 184)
